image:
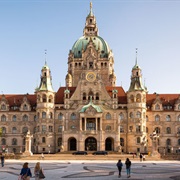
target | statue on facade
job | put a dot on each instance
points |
(28, 144)
(154, 137)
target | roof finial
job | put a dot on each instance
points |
(136, 56)
(45, 56)
(91, 13)
(90, 5)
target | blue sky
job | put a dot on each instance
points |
(28, 27)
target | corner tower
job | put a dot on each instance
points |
(91, 53)
(136, 98)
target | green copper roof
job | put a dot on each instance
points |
(83, 41)
(84, 108)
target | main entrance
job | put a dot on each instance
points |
(91, 144)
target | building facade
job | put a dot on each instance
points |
(90, 112)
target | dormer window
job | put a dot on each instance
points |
(3, 107)
(157, 107)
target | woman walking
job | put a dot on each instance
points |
(119, 165)
(37, 171)
(128, 167)
(25, 172)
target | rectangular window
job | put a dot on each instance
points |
(43, 128)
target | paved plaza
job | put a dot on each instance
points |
(95, 170)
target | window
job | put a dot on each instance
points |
(60, 116)
(121, 116)
(43, 140)
(3, 141)
(24, 130)
(130, 128)
(157, 118)
(157, 129)
(84, 96)
(14, 130)
(147, 118)
(168, 142)
(50, 115)
(3, 118)
(178, 118)
(25, 108)
(138, 140)
(138, 98)
(3, 130)
(14, 118)
(157, 107)
(25, 118)
(35, 118)
(3, 107)
(122, 142)
(108, 116)
(97, 96)
(14, 141)
(50, 129)
(43, 128)
(44, 98)
(131, 98)
(73, 127)
(178, 130)
(60, 129)
(131, 115)
(178, 142)
(168, 130)
(43, 115)
(59, 141)
(168, 118)
(108, 128)
(138, 114)
(138, 129)
(122, 129)
(73, 116)
(50, 99)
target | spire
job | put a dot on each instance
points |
(45, 52)
(136, 56)
(90, 28)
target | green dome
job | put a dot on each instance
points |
(99, 43)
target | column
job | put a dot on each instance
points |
(96, 124)
(84, 124)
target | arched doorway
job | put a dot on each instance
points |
(109, 144)
(91, 144)
(72, 144)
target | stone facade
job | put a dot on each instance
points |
(91, 112)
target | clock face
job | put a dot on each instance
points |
(91, 76)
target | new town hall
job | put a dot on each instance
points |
(90, 112)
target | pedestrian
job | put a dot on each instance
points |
(42, 156)
(144, 157)
(119, 165)
(128, 167)
(141, 157)
(2, 160)
(26, 172)
(37, 170)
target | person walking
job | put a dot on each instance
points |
(128, 167)
(37, 171)
(2, 160)
(119, 166)
(141, 157)
(26, 172)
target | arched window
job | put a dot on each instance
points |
(122, 142)
(60, 129)
(44, 98)
(14, 118)
(43, 140)
(168, 130)
(168, 142)
(178, 118)
(131, 98)
(121, 116)
(3, 130)
(108, 116)
(25, 118)
(138, 140)
(178, 130)
(131, 115)
(50, 98)
(138, 98)
(43, 115)
(108, 128)
(84, 96)
(60, 116)
(121, 129)
(59, 141)
(14, 130)
(35, 118)
(25, 108)
(179, 107)
(24, 130)
(3, 107)
(3, 118)
(14, 141)
(138, 114)
(157, 107)
(38, 98)
(168, 118)
(157, 118)
(73, 116)
(157, 129)
(91, 95)
(147, 118)
(97, 96)
(50, 115)
(3, 141)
